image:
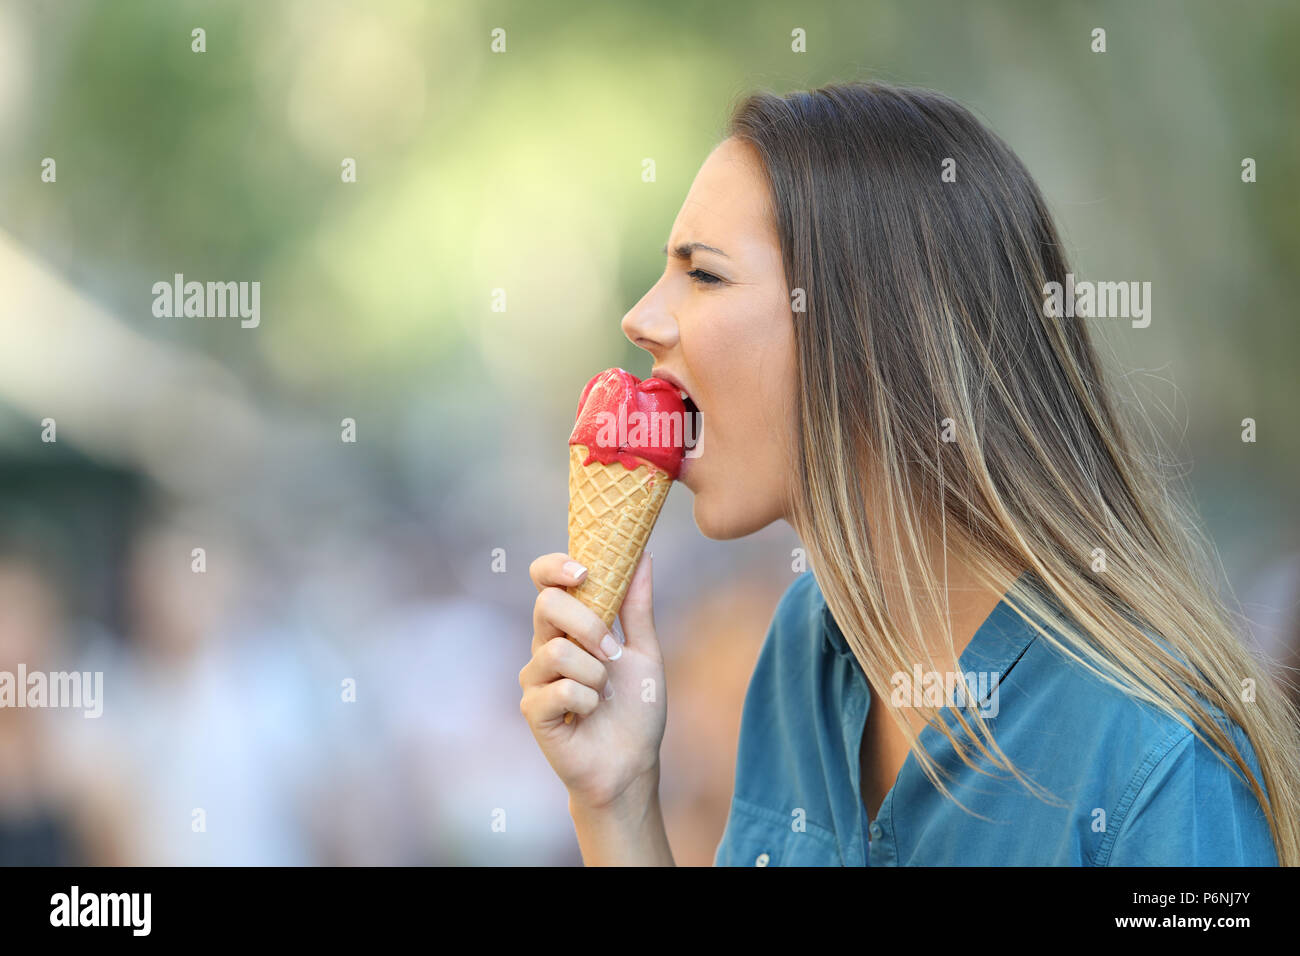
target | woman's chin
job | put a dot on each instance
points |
(722, 521)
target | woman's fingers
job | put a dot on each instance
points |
(556, 570)
(556, 612)
(560, 657)
(542, 703)
(637, 613)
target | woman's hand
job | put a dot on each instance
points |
(613, 745)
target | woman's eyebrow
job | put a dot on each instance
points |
(684, 250)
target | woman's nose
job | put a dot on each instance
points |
(649, 325)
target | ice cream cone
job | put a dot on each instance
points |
(612, 511)
(617, 484)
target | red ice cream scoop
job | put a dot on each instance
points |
(621, 418)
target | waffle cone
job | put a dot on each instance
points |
(612, 510)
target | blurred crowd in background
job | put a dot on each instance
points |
(335, 681)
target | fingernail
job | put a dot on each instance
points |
(609, 689)
(574, 569)
(611, 647)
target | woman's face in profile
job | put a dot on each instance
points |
(718, 323)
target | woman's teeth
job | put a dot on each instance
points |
(693, 429)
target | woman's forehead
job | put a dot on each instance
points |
(726, 207)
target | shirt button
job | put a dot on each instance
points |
(762, 860)
(875, 831)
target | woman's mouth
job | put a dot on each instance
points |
(692, 426)
(692, 419)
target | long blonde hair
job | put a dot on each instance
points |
(924, 312)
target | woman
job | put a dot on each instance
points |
(1009, 649)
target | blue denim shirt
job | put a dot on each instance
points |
(1138, 788)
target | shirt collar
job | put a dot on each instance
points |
(995, 647)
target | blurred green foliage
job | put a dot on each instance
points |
(521, 171)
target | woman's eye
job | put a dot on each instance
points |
(699, 275)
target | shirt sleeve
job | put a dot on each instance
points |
(1193, 810)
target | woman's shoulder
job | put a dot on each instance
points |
(1185, 805)
(801, 611)
(1167, 793)
(801, 596)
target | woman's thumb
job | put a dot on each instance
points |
(637, 614)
